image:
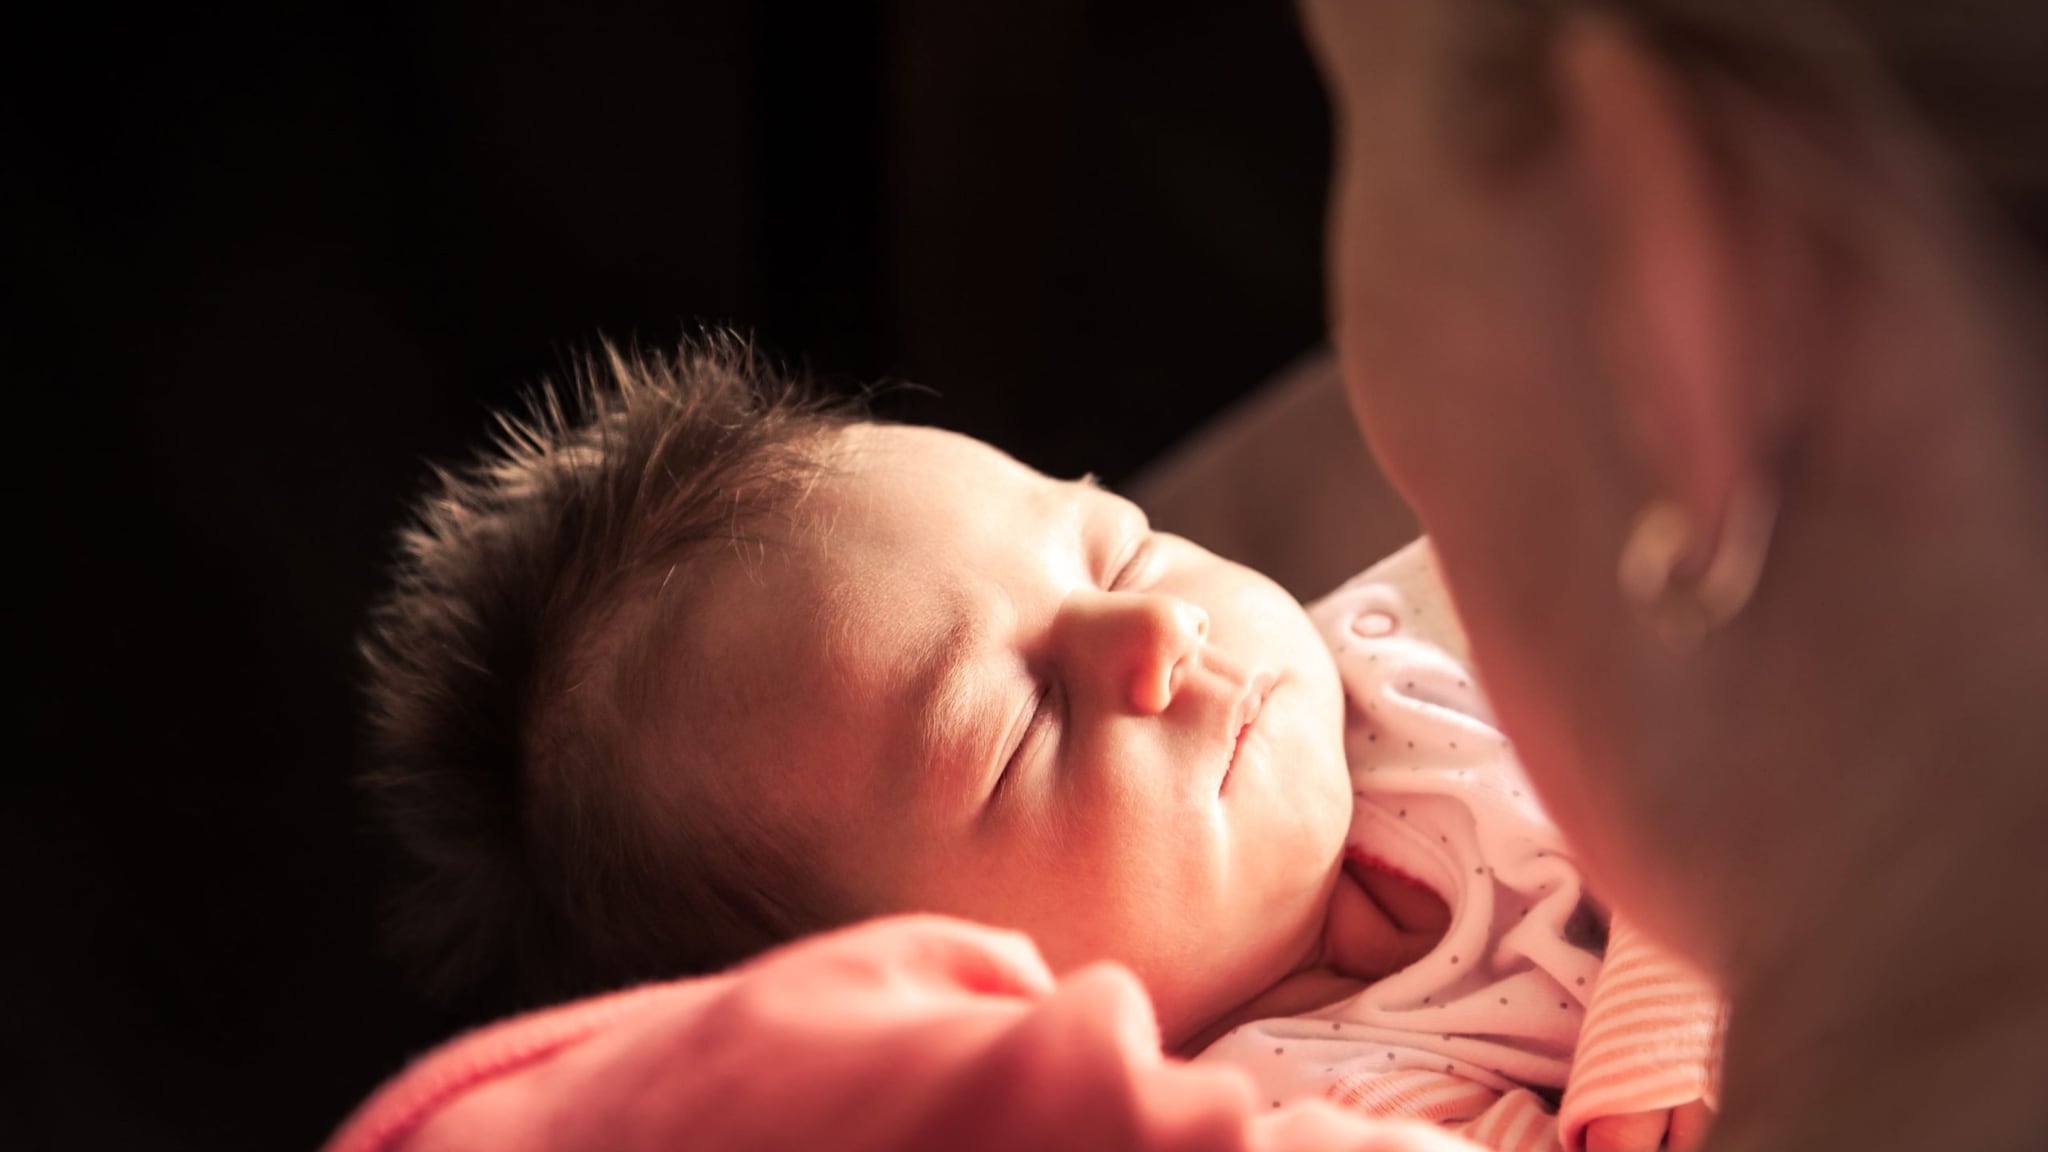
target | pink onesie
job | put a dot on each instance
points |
(1533, 998)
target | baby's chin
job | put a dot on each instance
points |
(1332, 809)
(1322, 779)
(1300, 847)
(1271, 936)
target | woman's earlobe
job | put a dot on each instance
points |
(1687, 583)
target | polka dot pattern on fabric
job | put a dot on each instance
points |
(1460, 788)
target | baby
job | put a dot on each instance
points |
(720, 666)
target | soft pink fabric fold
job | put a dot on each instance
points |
(911, 1033)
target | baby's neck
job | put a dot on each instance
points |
(1376, 925)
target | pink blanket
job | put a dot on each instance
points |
(910, 1033)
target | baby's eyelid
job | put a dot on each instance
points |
(1133, 562)
(1033, 718)
(1048, 721)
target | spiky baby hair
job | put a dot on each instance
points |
(500, 693)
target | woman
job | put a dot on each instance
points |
(1706, 343)
(1702, 337)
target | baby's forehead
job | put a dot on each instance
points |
(926, 491)
(810, 692)
(867, 643)
(898, 453)
(907, 547)
(810, 618)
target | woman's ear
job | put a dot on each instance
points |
(1666, 276)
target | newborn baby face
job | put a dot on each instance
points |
(980, 691)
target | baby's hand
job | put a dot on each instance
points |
(1680, 1129)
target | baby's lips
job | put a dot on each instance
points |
(1251, 703)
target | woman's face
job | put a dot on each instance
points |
(1453, 291)
(1458, 309)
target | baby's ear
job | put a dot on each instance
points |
(1667, 267)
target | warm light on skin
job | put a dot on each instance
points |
(980, 691)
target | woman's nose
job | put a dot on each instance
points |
(1134, 648)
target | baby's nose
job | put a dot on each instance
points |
(1143, 646)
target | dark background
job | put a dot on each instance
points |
(263, 264)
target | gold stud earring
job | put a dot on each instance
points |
(1656, 567)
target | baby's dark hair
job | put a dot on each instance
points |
(507, 659)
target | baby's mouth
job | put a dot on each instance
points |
(1246, 716)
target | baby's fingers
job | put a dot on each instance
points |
(1682, 1129)
(1634, 1132)
(1689, 1124)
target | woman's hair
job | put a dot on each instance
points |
(509, 662)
